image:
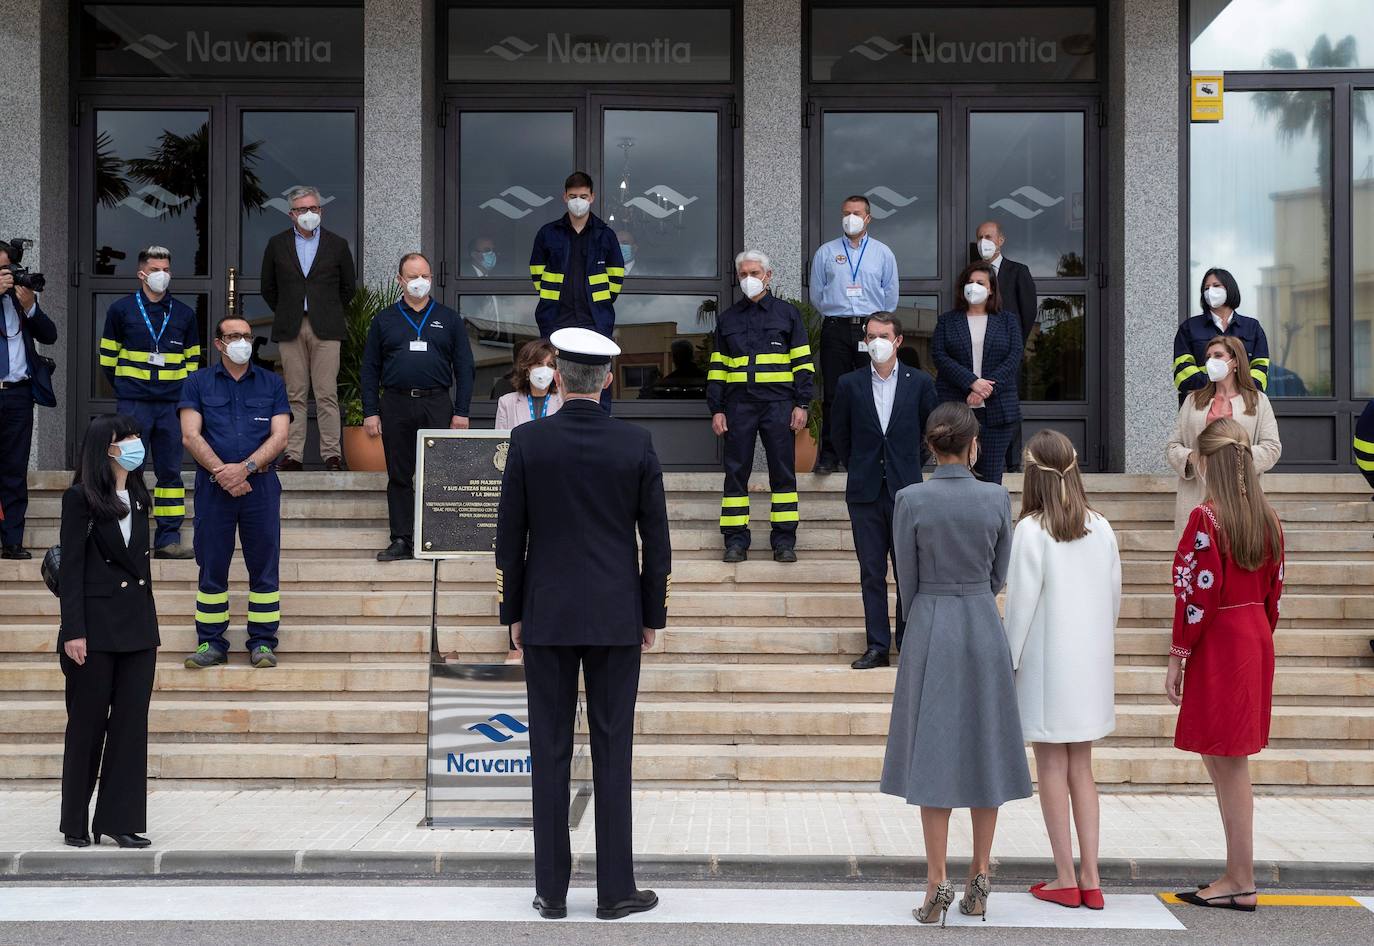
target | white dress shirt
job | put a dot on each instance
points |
(126, 522)
(977, 330)
(884, 394)
(14, 340)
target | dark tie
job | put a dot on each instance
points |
(5, 342)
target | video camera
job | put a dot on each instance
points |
(22, 276)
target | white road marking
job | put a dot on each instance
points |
(691, 905)
(1367, 902)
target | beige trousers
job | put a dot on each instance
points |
(309, 362)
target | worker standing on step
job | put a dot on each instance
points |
(149, 347)
(759, 385)
(234, 419)
(577, 592)
(1364, 443)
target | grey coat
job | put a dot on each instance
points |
(955, 737)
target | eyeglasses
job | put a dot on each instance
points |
(313, 208)
(237, 337)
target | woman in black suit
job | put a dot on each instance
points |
(977, 353)
(108, 640)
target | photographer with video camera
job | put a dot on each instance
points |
(25, 380)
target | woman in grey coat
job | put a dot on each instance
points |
(955, 738)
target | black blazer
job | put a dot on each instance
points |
(38, 328)
(869, 454)
(107, 587)
(577, 485)
(1018, 293)
(952, 348)
(329, 287)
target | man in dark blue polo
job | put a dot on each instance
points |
(234, 419)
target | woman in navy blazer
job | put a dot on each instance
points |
(977, 352)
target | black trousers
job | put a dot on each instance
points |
(16, 440)
(872, 525)
(402, 416)
(771, 422)
(1014, 450)
(107, 737)
(993, 441)
(840, 354)
(612, 679)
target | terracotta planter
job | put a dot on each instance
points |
(806, 451)
(362, 453)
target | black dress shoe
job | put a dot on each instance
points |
(642, 901)
(873, 657)
(824, 467)
(127, 840)
(734, 554)
(398, 550)
(551, 909)
(785, 555)
(288, 465)
(333, 465)
(17, 552)
(74, 840)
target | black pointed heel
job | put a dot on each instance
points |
(126, 840)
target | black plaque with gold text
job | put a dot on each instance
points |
(457, 489)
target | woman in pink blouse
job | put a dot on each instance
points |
(535, 395)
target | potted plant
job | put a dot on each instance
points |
(809, 437)
(361, 452)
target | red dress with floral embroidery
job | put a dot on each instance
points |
(1224, 620)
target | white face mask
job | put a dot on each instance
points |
(240, 351)
(541, 377)
(853, 224)
(751, 286)
(880, 350)
(976, 293)
(159, 280)
(308, 221)
(1216, 296)
(418, 287)
(578, 206)
(1217, 369)
(986, 248)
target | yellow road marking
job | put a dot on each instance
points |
(1289, 900)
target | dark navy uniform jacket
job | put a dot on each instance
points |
(128, 348)
(577, 487)
(763, 352)
(237, 414)
(1364, 442)
(1190, 350)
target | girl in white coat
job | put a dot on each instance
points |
(1063, 599)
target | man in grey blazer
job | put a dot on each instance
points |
(308, 278)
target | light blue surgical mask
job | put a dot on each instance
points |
(627, 250)
(489, 260)
(131, 454)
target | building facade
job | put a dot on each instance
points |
(449, 125)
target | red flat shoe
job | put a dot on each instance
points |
(1092, 899)
(1067, 897)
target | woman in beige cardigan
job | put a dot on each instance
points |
(1230, 392)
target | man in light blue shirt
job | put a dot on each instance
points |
(852, 277)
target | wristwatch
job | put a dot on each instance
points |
(250, 466)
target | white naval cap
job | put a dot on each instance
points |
(584, 346)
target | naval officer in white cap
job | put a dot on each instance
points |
(578, 591)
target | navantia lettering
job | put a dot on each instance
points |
(486, 765)
(199, 46)
(925, 48)
(664, 51)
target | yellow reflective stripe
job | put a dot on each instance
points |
(142, 374)
(601, 295)
(1364, 446)
(784, 498)
(263, 617)
(788, 516)
(733, 502)
(172, 492)
(1365, 464)
(734, 520)
(597, 279)
(1259, 362)
(717, 358)
(1185, 374)
(715, 374)
(170, 357)
(806, 367)
(169, 512)
(1184, 359)
(615, 270)
(772, 377)
(741, 362)
(264, 597)
(616, 287)
(212, 597)
(768, 358)
(219, 617)
(549, 294)
(736, 376)
(1260, 377)
(550, 276)
(168, 375)
(192, 351)
(803, 351)
(108, 361)
(109, 344)
(536, 268)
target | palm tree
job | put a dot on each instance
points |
(110, 186)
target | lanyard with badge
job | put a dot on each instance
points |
(419, 344)
(854, 289)
(155, 358)
(543, 407)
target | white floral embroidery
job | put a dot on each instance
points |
(1201, 541)
(1183, 580)
(1205, 579)
(1194, 614)
(1281, 564)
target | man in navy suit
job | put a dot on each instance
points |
(24, 381)
(576, 590)
(879, 422)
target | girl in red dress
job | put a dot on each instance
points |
(1228, 576)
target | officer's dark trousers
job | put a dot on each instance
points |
(403, 416)
(771, 422)
(16, 439)
(872, 525)
(256, 518)
(107, 736)
(612, 679)
(161, 430)
(840, 354)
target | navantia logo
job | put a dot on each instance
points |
(1032, 195)
(511, 48)
(150, 46)
(876, 48)
(656, 209)
(895, 201)
(505, 208)
(513, 728)
(152, 201)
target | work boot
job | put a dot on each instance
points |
(206, 656)
(734, 554)
(176, 551)
(397, 551)
(262, 657)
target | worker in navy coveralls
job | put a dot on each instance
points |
(575, 591)
(234, 418)
(149, 347)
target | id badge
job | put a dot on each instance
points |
(157, 360)
(863, 346)
(853, 291)
(419, 345)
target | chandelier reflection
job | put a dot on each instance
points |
(660, 209)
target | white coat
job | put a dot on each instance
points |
(1063, 600)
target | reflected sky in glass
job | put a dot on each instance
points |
(1281, 34)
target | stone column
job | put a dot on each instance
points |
(398, 179)
(1143, 192)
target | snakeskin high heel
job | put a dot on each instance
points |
(944, 896)
(974, 902)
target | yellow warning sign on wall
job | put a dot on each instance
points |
(1207, 96)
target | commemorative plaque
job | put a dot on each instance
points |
(457, 490)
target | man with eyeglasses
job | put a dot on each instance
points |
(308, 279)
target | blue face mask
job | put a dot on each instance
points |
(627, 250)
(489, 259)
(131, 454)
